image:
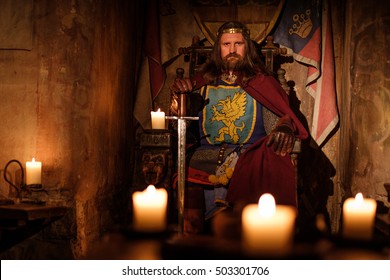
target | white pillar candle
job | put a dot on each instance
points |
(158, 119)
(150, 209)
(33, 172)
(268, 228)
(359, 217)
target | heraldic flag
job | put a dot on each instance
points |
(305, 30)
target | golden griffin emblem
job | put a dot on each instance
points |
(228, 111)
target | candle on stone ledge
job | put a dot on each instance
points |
(359, 217)
(267, 228)
(150, 209)
(158, 119)
(33, 172)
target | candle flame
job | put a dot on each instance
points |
(267, 205)
(359, 199)
(33, 159)
(151, 189)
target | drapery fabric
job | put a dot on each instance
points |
(305, 30)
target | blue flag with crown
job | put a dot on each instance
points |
(305, 30)
(299, 23)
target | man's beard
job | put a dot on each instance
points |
(233, 64)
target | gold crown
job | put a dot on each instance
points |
(303, 24)
(235, 30)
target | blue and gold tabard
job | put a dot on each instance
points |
(230, 116)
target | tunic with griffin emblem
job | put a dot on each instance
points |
(231, 117)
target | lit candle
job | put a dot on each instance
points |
(268, 228)
(33, 172)
(359, 217)
(158, 119)
(150, 209)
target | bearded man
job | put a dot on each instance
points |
(235, 161)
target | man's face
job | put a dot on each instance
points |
(232, 49)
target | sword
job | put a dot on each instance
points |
(181, 152)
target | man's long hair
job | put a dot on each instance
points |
(251, 65)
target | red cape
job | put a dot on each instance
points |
(259, 170)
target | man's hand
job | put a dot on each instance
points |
(282, 136)
(179, 86)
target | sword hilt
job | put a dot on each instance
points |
(182, 112)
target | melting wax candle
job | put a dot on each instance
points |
(150, 209)
(158, 119)
(359, 217)
(33, 172)
(267, 228)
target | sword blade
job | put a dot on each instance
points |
(181, 169)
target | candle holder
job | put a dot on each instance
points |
(23, 187)
(18, 189)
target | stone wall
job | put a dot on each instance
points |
(365, 145)
(68, 103)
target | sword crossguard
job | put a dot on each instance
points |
(183, 118)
